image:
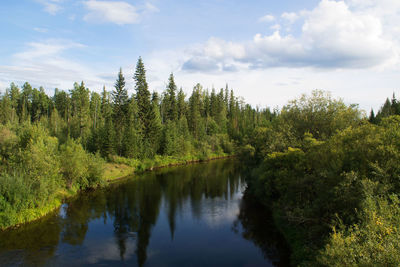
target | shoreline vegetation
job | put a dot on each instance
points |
(331, 178)
(52, 147)
(123, 167)
(112, 173)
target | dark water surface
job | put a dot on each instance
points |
(194, 215)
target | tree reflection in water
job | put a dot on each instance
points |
(258, 227)
(208, 194)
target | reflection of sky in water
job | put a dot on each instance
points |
(63, 210)
(108, 250)
(218, 211)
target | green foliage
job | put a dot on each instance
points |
(80, 169)
(323, 168)
(319, 115)
(372, 242)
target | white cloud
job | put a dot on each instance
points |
(46, 63)
(332, 36)
(267, 18)
(51, 6)
(291, 17)
(109, 11)
(275, 27)
(275, 86)
(214, 55)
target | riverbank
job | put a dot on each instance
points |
(121, 167)
(117, 169)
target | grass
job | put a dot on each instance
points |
(27, 215)
(113, 171)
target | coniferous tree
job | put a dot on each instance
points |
(6, 108)
(25, 102)
(146, 111)
(120, 101)
(181, 105)
(372, 116)
(157, 124)
(194, 116)
(107, 133)
(171, 105)
(14, 99)
(80, 111)
(131, 139)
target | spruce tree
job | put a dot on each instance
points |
(372, 116)
(120, 101)
(146, 112)
(172, 112)
(80, 108)
(181, 105)
(120, 98)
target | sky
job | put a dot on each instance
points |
(268, 52)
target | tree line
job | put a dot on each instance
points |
(137, 126)
(53, 146)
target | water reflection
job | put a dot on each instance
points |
(165, 218)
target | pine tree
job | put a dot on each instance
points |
(80, 110)
(146, 111)
(157, 124)
(25, 102)
(14, 99)
(194, 116)
(171, 105)
(120, 101)
(6, 108)
(181, 105)
(107, 131)
(372, 116)
(131, 139)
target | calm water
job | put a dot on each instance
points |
(194, 215)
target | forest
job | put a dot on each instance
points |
(54, 146)
(329, 173)
(330, 176)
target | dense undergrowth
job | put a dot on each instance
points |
(332, 180)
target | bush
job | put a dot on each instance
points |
(79, 168)
(374, 241)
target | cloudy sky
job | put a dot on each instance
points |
(268, 51)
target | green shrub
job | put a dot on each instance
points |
(79, 168)
(374, 241)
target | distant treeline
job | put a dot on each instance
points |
(332, 181)
(51, 146)
(141, 125)
(389, 108)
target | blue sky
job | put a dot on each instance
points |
(268, 51)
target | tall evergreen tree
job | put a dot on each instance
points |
(120, 98)
(171, 105)
(80, 108)
(131, 139)
(120, 101)
(194, 116)
(146, 112)
(181, 104)
(372, 116)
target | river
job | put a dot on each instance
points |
(193, 215)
